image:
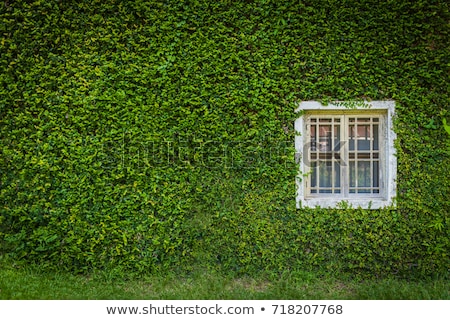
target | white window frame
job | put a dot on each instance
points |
(388, 159)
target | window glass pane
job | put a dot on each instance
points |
(352, 174)
(363, 137)
(359, 155)
(363, 155)
(375, 137)
(337, 174)
(313, 137)
(324, 138)
(337, 137)
(325, 173)
(376, 175)
(313, 174)
(325, 155)
(351, 137)
(364, 174)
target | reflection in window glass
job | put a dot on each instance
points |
(363, 156)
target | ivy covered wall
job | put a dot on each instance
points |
(146, 136)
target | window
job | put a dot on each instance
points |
(346, 155)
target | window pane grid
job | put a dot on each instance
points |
(362, 155)
(324, 155)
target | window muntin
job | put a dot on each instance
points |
(344, 155)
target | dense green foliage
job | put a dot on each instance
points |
(35, 283)
(152, 135)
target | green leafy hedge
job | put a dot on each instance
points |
(146, 136)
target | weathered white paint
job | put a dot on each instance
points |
(389, 176)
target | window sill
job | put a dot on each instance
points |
(342, 203)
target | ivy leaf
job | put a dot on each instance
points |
(431, 125)
(446, 126)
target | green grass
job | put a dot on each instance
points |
(32, 283)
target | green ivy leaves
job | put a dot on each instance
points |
(147, 136)
(446, 126)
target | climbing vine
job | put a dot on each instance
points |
(146, 136)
